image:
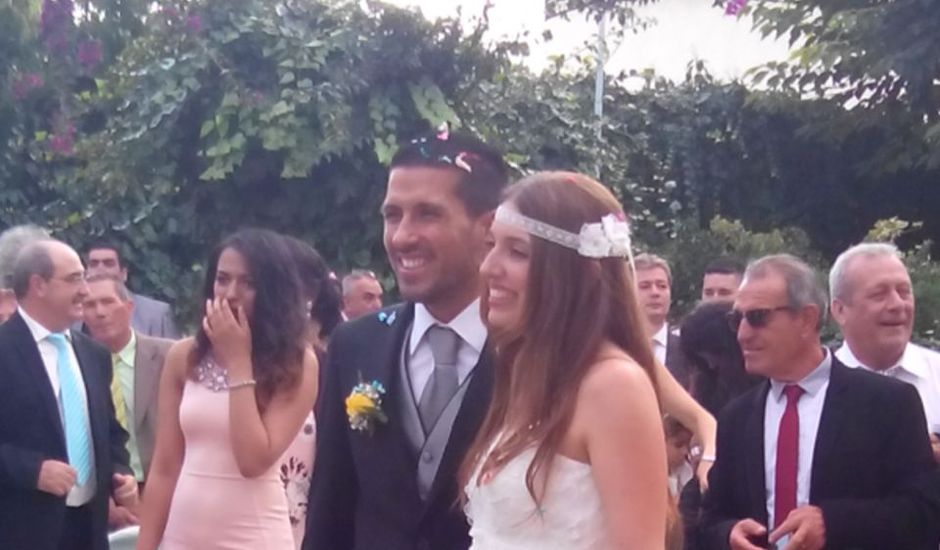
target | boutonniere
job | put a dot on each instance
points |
(387, 318)
(364, 406)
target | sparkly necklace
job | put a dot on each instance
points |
(212, 375)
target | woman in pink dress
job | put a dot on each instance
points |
(231, 401)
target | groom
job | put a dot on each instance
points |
(392, 483)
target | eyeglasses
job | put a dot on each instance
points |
(757, 318)
(73, 279)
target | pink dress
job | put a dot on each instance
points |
(214, 507)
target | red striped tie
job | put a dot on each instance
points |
(788, 452)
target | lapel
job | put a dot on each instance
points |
(754, 454)
(473, 408)
(30, 358)
(827, 436)
(145, 378)
(383, 366)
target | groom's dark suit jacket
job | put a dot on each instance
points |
(31, 432)
(364, 492)
(873, 474)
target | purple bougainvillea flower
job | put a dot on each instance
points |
(62, 141)
(55, 22)
(194, 23)
(24, 84)
(89, 54)
(62, 144)
(734, 7)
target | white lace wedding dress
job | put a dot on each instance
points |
(503, 515)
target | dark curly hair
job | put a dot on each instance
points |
(277, 321)
(320, 287)
(718, 373)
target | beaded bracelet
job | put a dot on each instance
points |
(242, 384)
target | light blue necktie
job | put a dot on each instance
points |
(74, 414)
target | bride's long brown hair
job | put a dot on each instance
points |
(574, 305)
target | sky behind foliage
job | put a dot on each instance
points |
(684, 29)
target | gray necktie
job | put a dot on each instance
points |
(442, 385)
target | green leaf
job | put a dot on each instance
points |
(287, 78)
(207, 128)
(280, 108)
(238, 141)
(431, 103)
(213, 172)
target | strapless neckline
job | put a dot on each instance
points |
(503, 516)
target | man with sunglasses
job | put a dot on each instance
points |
(820, 455)
(873, 303)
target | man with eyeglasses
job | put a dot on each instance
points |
(873, 303)
(62, 450)
(820, 455)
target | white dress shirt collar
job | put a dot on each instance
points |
(38, 331)
(662, 335)
(909, 362)
(812, 383)
(467, 324)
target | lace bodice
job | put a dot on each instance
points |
(503, 515)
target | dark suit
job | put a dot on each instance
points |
(31, 432)
(873, 474)
(364, 494)
(153, 318)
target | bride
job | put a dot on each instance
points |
(571, 455)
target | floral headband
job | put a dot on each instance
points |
(460, 160)
(610, 238)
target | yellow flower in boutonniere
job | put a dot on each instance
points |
(364, 406)
(358, 403)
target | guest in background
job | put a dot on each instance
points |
(721, 280)
(678, 447)
(654, 285)
(323, 300)
(137, 361)
(821, 455)
(62, 451)
(13, 240)
(362, 293)
(714, 355)
(152, 317)
(232, 399)
(717, 376)
(873, 303)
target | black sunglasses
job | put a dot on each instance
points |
(757, 318)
